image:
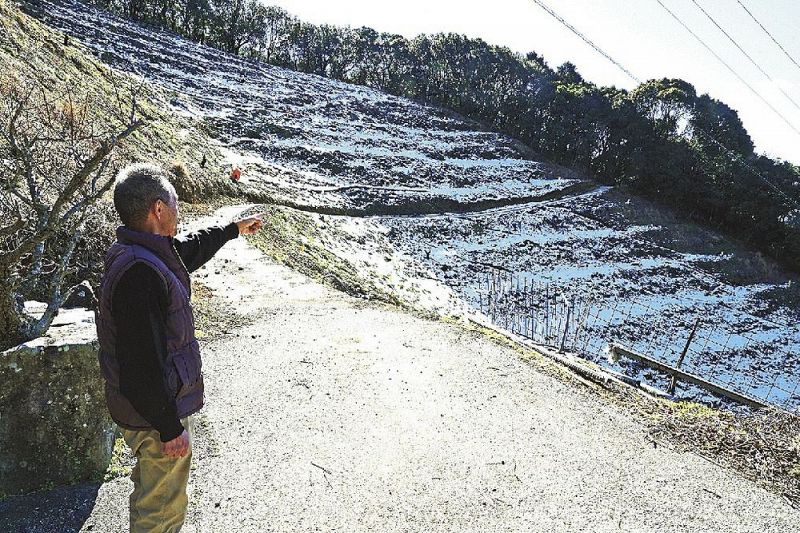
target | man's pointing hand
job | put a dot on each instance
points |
(248, 226)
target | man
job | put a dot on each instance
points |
(149, 356)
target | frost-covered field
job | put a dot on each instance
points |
(467, 202)
(643, 285)
(309, 138)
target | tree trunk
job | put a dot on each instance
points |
(12, 319)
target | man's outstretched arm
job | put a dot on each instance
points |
(196, 248)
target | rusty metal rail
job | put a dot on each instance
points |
(619, 350)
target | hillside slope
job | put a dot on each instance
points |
(468, 203)
(326, 412)
(31, 50)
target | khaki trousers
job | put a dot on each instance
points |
(159, 500)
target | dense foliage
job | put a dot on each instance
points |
(661, 140)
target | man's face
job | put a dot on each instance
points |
(168, 216)
(172, 219)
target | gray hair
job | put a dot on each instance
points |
(137, 187)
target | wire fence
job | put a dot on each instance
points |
(748, 355)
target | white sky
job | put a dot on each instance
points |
(637, 33)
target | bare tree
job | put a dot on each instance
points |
(56, 162)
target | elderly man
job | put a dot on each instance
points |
(149, 355)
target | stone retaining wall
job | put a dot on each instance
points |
(54, 426)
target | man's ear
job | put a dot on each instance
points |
(157, 209)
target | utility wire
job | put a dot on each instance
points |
(748, 166)
(774, 40)
(587, 40)
(701, 41)
(708, 136)
(737, 157)
(753, 61)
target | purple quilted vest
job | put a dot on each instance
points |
(183, 368)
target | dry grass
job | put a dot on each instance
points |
(763, 446)
(32, 50)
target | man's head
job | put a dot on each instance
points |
(145, 200)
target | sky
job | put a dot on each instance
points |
(639, 34)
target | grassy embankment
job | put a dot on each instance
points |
(36, 56)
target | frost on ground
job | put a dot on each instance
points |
(465, 202)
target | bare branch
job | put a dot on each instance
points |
(80, 177)
(94, 196)
(56, 148)
(77, 180)
(13, 227)
(19, 196)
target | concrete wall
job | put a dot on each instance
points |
(54, 427)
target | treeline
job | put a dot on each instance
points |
(661, 140)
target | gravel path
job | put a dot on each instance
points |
(329, 413)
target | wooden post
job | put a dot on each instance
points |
(546, 312)
(671, 388)
(566, 328)
(492, 295)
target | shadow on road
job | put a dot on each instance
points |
(64, 509)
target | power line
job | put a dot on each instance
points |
(587, 40)
(748, 166)
(774, 40)
(753, 61)
(736, 157)
(702, 42)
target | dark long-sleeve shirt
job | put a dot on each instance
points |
(139, 310)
